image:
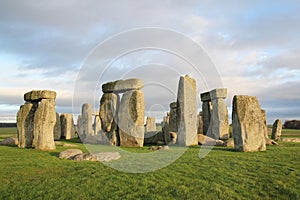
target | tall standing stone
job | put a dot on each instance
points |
(219, 126)
(44, 122)
(247, 124)
(276, 129)
(206, 111)
(166, 128)
(187, 112)
(108, 114)
(264, 116)
(150, 124)
(131, 119)
(67, 126)
(199, 124)
(25, 124)
(79, 126)
(57, 128)
(173, 117)
(86, 120)
(97, 125)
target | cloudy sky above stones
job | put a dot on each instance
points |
(255, 46)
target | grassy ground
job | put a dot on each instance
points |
(222, 174)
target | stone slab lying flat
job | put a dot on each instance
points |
(121, 86)
(37, 95)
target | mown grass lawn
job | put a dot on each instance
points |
(222, 174)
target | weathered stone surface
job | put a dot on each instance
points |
(206, 115)
(109, 105)
(160, 148)
(166, 128)
(290, 139)
(101, 157)
(218, 93)
(121, 86)
(86, 120)
(57, 128)
(264, 116)
(9, 142)
(219, 125)
(25, 124)
(79, 127)
(230, 143)
(247, 124)
(44, 122)
(96, 139)
(67, 126)
(208, 141)
(271, 142)
(173, 117)
(293, 124)
(154, 137)
(187, 112)
(205, 96)
(276, 129)
(69, 153)
(97, 125)
(38, 95)
(150, 124)
(131, 119)
(173, 136)
(199, 123)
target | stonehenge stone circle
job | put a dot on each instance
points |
(276, 129)
(206, 110)
(121, 86)
(187, 112)
(79, 125)
(150, 124)
(131, 119)
(25, 124)
(219, 125)
(166, 128)
(247, 124)
(57, 128)
(67, 126)
(44, 122)
(199, 124)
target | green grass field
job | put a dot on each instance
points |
(222, 174)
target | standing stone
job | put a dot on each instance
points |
(173, 117)
(97, 125)
(187, 112)
(44, 122)
(165, 124)
(206, 111)
(150, 124)
(25, 124)
(79, 125)
(86, 120)
(247, 124)
(264, 116)
(199, 124)
(276, 129)
(57, 128)
(38, 95)
(67, 126)
(219, 126)
(108, 113)
(131, 119)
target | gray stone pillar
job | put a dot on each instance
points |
(187, 112)
(219, 126)
(131, 119)
(57, 128)
(264, 116)
(173, 117)
(67, 126)
(150, 124)
(276, 129)
(206, 111)
(86, 120)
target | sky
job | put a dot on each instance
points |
(73, 47)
